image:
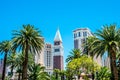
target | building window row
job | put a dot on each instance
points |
(48, 46)
(48, 58)
(79, 34)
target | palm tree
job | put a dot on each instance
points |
(15, 61)
(5, 48)
(62, 74)
(108, 40)
(69, 74)
(56, 72)
(87, 45)
(75, 53)
(36, 72)
(87, 49)
(28, 40)
(11, 59)
(103, 74)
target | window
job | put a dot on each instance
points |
(84, 34)
(57, 50)
(48, 58)
(79, 34)
(76, 44)
(75, 35)
(57, 43)
(48, 46)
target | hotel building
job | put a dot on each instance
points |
(80, 36)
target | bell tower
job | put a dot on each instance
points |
(58, 52)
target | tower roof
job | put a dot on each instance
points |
(58, 36)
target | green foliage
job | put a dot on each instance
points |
(103, 74)
(36, 72)
(69, 73)
(75, 53)
(28, 37)
(15, 61)
(5, 47)
(83, 62)
(107, 40)
(27, 40)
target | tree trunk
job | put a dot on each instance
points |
(62, 77)
(4, 66)
(12, 70)
(114, 70)
(78, 77)
(56, 77)
(25, 64)
(19, 76)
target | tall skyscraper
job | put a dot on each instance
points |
(58, 52)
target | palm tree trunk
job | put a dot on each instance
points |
(62, 76)
(78, 77)
(12, 70)
(4, 67)
(19, 76)
(114, 70)
(25, 64)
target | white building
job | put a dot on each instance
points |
(48, 58)
(80, 36)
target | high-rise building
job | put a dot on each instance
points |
(58, 52)
(48, 58)
(80, 36)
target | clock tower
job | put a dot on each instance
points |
(58, 52)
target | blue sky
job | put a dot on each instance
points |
(47, 15)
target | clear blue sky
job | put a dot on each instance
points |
(47, 15)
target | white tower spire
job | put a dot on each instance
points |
(58, 52)
(58, 36)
